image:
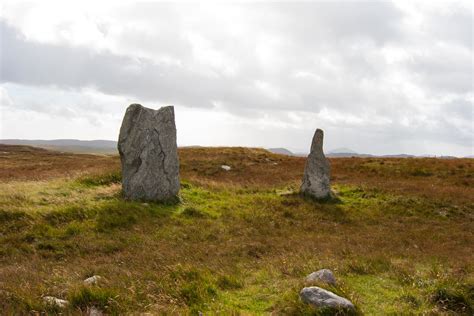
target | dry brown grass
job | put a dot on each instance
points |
(33, 163)
(401, 231)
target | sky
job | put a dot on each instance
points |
(378, 77)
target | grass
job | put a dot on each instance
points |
(398, 235)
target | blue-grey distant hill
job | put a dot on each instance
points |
(109, 147)
(69, 145)
(281, 151)
(344, 152)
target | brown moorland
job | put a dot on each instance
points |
(398, 235)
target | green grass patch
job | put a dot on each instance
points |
(229, 282)
(104, 299)
(454, 299)
(101, 179)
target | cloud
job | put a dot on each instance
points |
(395, 72)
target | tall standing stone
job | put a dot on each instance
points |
(317, 172)
(149, 154)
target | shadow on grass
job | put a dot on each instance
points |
(123, 214)
(329, 207)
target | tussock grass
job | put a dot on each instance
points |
(398, 235)
(83, 297)
(101, 178)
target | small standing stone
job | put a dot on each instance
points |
(316, 179)
(318, 297)
(324, 275)
(149, 154)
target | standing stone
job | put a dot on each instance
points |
(316, 179)
(149, 154)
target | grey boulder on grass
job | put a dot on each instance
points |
(317, 172)
(323, 275)
(321, 298)
(149, 154)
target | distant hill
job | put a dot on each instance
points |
(281, 151)
(68, 145)
(398, 156)
(343, 150)
(345, 155)
(109, 147)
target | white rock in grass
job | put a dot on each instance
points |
(93, 311)
(324, 275)
(226, 168)
(318, 297)
(51, 300)
(92, 280)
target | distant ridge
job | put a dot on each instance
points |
(281, 151)
(340, 150)
(344, 152)
(99, 143)
(101, 146)
(98, 146)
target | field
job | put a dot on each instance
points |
(399, 235)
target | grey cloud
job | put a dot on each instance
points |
(454, 27)
(338, 20)
(322, 55)
(444, 70)
(32, 63)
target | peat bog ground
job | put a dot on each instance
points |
(399, 235)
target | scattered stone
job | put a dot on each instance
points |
(324, 275)
(149, 154)
(316, 179)
(51, 300)
(94, 311)
(92, 280)
(318, 297)
(226, 168)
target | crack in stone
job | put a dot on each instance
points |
(164, 157)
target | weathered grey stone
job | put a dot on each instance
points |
(324, 275)
(51, 300)
(149, 154)
(318, 297)
(94, 311)
(316, 179)
(92, 280)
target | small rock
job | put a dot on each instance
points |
(92, 280)
(226, 168)
(324, 275)
(318, 297)
(443, 213)
(93, 311)
(51, 300)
